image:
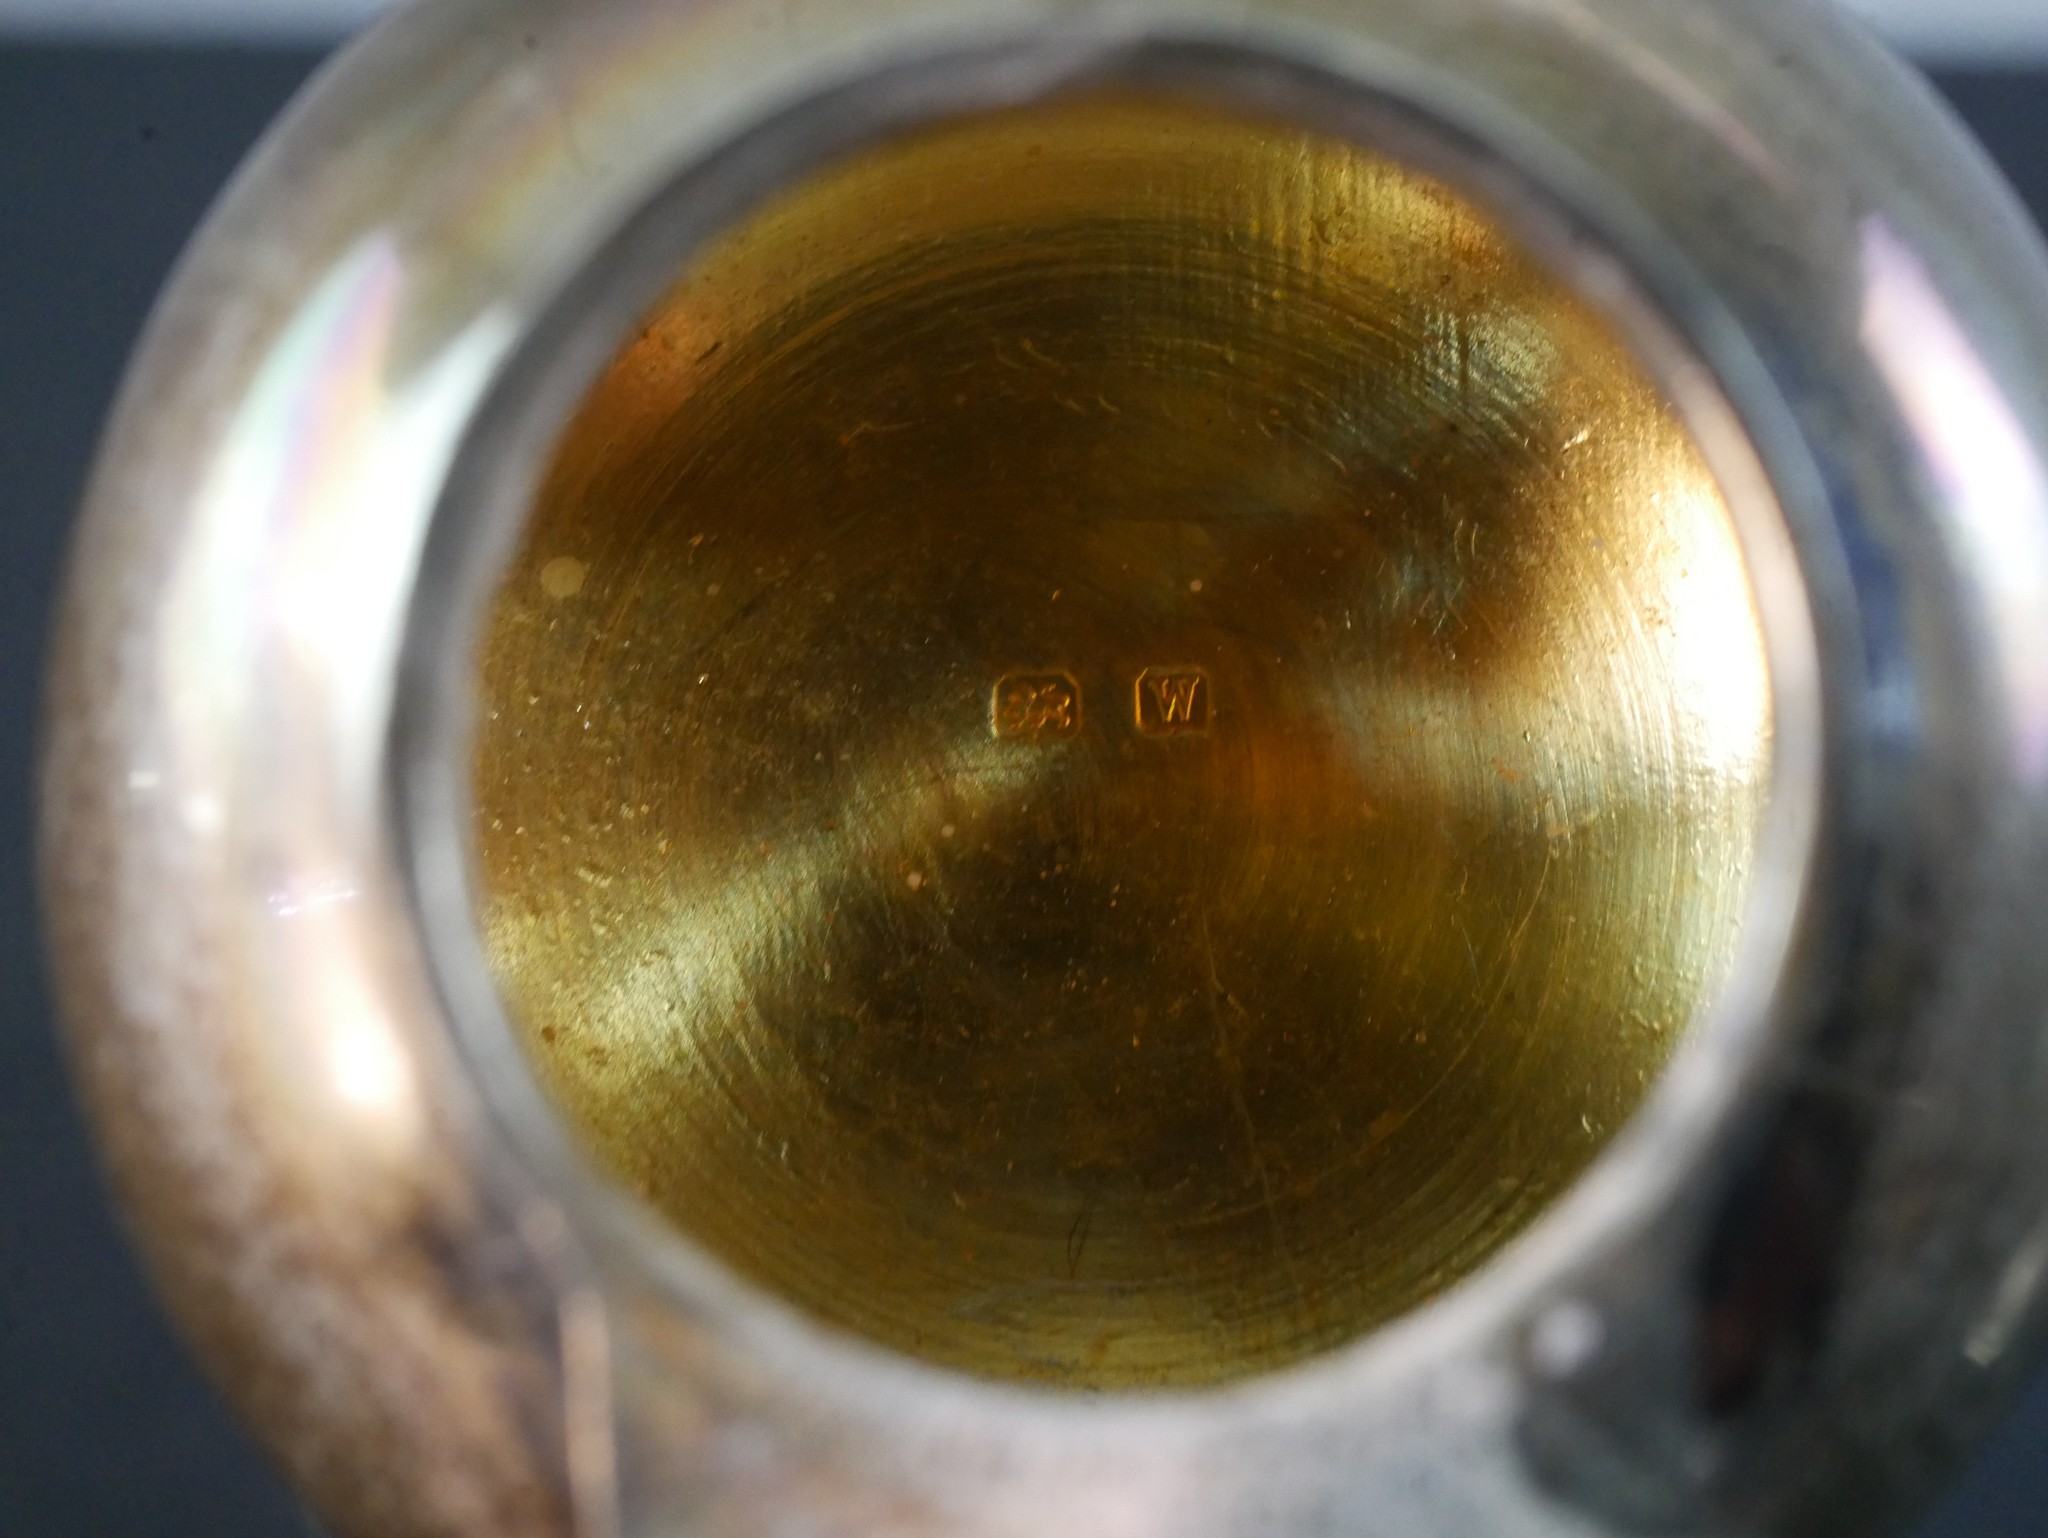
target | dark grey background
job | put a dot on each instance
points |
(107, 159)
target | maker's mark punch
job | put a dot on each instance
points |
(1173, 702)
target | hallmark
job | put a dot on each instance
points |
(1037, 707)
(1173, 702)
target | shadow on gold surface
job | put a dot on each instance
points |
(1122, 738)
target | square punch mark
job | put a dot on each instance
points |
(1173, 702)
(1036, 707)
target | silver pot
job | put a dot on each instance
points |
(1731, 793)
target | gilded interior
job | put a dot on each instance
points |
(1121, 740)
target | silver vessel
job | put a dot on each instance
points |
(1167, 769)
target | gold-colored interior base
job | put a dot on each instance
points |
(1122, 739)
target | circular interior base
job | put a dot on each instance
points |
(1121, 740)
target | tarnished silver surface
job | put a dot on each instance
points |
(1791, 1291)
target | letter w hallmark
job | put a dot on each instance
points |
(1173, 702)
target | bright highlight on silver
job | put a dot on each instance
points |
(1939, 31)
